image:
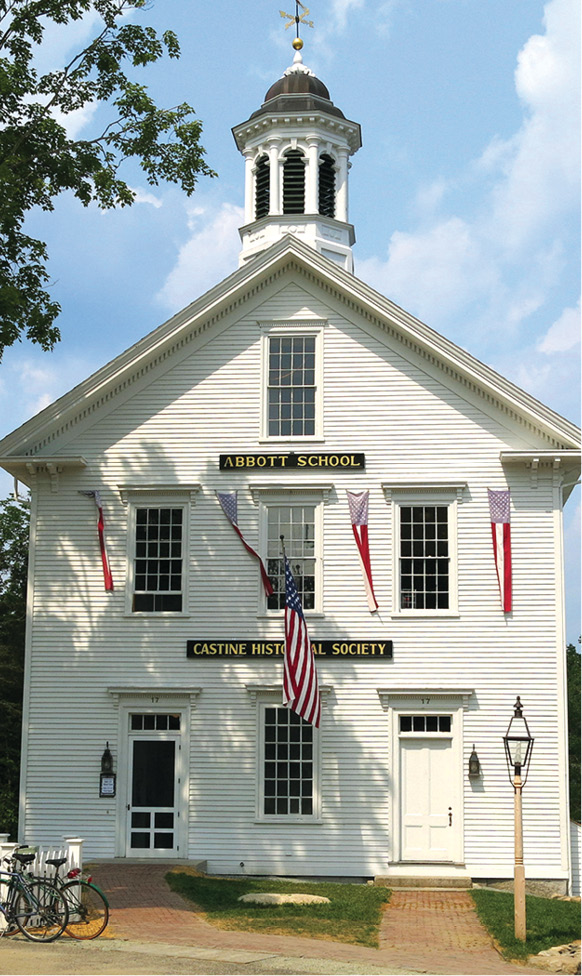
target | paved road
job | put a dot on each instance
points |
(114, 957)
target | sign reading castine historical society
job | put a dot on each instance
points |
(340, 649)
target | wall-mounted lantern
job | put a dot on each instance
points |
(474, 765)
(107, 780)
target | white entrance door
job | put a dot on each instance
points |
(153, 802)
(428, 799)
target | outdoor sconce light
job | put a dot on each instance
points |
(107, 778)
(474, 765)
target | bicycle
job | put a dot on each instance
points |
(33, 905)
(88, 906)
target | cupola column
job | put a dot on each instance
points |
(274, 178)
(342, 186)
(249, 186)
(312, 178)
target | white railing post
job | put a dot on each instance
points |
(6, 848)
(75, 853)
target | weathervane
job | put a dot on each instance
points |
(297, 19)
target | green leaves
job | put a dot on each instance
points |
(38, 158)
(14, 519)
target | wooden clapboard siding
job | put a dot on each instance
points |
(415, 422)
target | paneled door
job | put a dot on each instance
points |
(153, 803)
(428, 799)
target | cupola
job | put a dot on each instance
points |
(297, 147)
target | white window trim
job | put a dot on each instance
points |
(270, 696)
(444, 494)
(285, 328)
(426, 702)
(126, 700)
(181, 496)
(280, 495)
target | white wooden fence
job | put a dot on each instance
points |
(71, 849)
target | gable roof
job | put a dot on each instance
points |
(34, 437)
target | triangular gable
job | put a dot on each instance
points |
(33, 436)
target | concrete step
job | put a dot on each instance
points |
(406, 881)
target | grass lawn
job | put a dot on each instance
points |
(548, 922)
(353, 914)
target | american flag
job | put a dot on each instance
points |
(229, 504)
(300, 686)
(358, 502)
(107, 577)
(499, 506)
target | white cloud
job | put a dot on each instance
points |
(341, 9)
(40, 378)
(564, 334)
(209, 255)
(432, 271)
(74, 122)
(502, 260)
(144, 196)
(541, 174)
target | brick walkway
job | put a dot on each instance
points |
(434, 932)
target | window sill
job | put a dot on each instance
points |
(280, 615)
(426, 614)
(308, 439)
(288, 820)
(156, 615)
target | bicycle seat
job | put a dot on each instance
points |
(56, 861)
(24, 858)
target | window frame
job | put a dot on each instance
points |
(269, 699)
(444, 498)
(170, 497)
(307, 328)
(300, 498)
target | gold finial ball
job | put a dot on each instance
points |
(297, 43)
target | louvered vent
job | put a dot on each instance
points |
(262, 188)
(294, 182)
(326, 186)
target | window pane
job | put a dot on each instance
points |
(424, 580)
(291, 393)
(296, 523)
(158, 579)
(290, 783)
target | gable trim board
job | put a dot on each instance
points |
(288, 254)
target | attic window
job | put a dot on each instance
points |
(294, 182)
(326, 186)
(262, 186)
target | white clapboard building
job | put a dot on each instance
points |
(153, 719)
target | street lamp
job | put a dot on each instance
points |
(518, 744)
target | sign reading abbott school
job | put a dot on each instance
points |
(341, 461)
(362, 650)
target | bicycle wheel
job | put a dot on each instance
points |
(41, 912)
(88, 910)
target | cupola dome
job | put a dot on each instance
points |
(296, 147)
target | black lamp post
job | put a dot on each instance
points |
(518, 744)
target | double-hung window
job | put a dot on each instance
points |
(157, 548)
(292, 371)
(425, 552)
(158, 561)
(288, 773)
(297, 525)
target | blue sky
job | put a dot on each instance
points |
(464, 196)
